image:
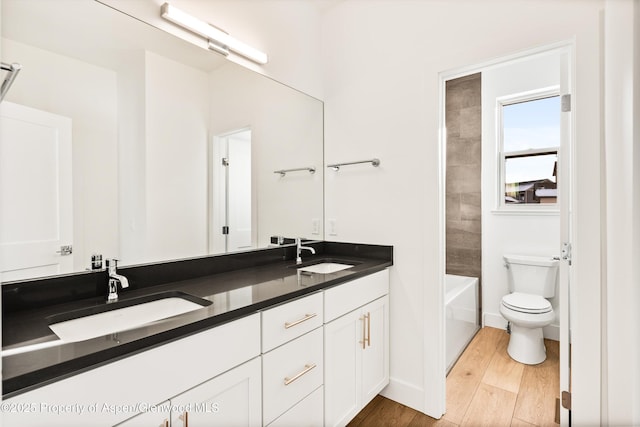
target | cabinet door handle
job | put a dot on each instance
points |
(364, 332)
(306, 317)
(306, 369)
(185, 418)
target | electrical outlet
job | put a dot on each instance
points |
(332, 227)
(315, 226)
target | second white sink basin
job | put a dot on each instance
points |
(121, 319)
(325, 267)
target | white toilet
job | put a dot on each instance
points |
(531, 279)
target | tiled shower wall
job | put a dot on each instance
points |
(463, 196)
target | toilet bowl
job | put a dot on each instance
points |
(531, 280)
(527, 315)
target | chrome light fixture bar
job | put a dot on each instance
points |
(219, 41)
(12, 72)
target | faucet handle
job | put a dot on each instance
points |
(111, 264)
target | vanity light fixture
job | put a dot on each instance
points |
(219, 41)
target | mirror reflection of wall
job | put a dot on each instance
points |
(145, 107)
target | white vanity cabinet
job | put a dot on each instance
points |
(311, 362)
(356, 346)
(230, 399)
(292, 362)
(112, 393)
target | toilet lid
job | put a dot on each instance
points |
(526, 303)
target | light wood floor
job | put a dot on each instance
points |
(485, 388)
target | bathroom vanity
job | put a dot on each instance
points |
(280, 344)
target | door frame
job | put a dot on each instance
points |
(567, 213)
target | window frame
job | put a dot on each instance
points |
(521, 208)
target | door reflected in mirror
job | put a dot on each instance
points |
(147, 112)
(232, 222)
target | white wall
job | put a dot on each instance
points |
(381, 61)
(163, 124)
(132, 158)
(177, 120)
(86, 94)
(622, 154)
(508, 232)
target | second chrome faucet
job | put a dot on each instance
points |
(114, 280)
(300, 248)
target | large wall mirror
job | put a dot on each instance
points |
(122, 140)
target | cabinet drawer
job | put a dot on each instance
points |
(291, 320)
(307, 413)
(344, 298)
(291, 372)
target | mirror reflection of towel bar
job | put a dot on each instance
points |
(336, 166)
(283, 172)
(13, 70)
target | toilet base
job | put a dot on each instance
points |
(526, 345)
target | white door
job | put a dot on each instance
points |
(231, 208)
(36, 212)
(239, 191)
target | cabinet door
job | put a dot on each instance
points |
(156, 416)
(231, 399)
(343, 353)
(375, 356)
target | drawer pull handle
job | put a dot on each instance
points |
(368, 329)
(306, 369)
(306, 317)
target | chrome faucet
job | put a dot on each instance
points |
(114, 279)
(299, 249)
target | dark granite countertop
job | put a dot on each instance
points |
(237, 285)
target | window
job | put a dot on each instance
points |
(529, 150)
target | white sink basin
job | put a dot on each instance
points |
(325, 267)
(121, 319)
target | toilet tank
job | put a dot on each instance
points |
(532, 274)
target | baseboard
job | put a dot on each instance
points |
(551, 332)
(405, 393)
(492, 320)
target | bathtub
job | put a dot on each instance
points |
(462, 319)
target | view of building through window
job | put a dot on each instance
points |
(530, 144)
